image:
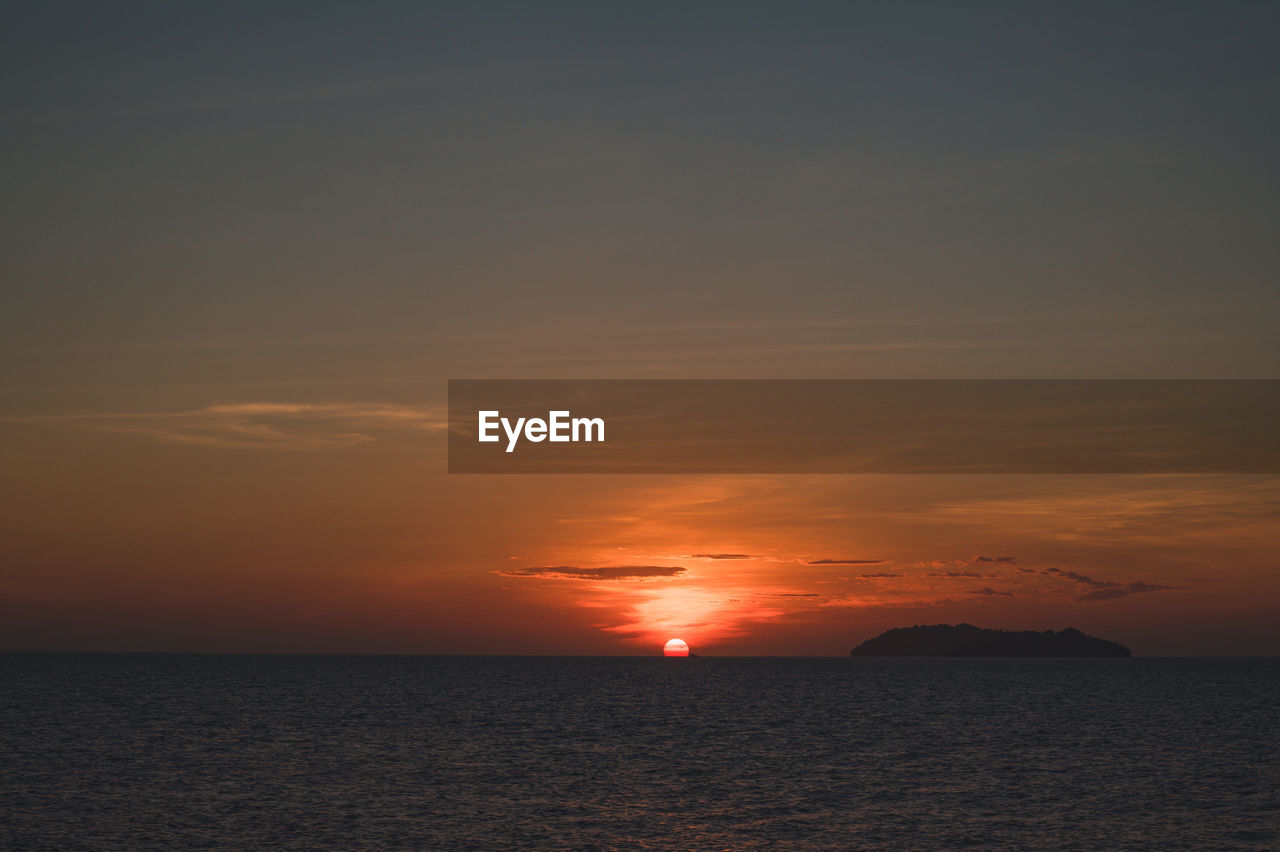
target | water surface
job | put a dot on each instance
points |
(140, 751)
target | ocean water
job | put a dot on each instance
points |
(492, 753)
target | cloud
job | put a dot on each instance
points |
(845, 562)
(987, 590)
(1080, 578)
(884, 575)
(245, 100)
(612, 572)
(970, 575)
(795, 595)
(719, 556)
(1008, 560)
(1119, 591)
(1105, 590)
(267, 425)
(1022, 570)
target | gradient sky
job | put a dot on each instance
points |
(244, 246)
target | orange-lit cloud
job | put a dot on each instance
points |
(267, 425)
(610, 572)
(765, 566)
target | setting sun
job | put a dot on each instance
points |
(676, 648)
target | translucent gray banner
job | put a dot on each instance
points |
(863, 426)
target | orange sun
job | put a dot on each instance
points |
(676, 648)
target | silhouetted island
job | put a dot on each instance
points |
(965, 640)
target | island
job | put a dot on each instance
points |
(965, 640)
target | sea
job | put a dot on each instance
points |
(495, 753)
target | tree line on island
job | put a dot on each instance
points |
(965, 640)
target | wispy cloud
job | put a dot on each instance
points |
(718, 556)
(1082, 579)
(214, 103)
(610, 572)
(1119, 591)
(1008, 560)
(265, 425)
(845, 562)
(1105, 590)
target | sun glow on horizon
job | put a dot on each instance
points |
(676, 648)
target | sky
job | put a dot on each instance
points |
(244, 246)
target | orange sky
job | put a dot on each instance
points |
(245, 247)
(273, 531)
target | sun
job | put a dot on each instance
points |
(676, 648)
